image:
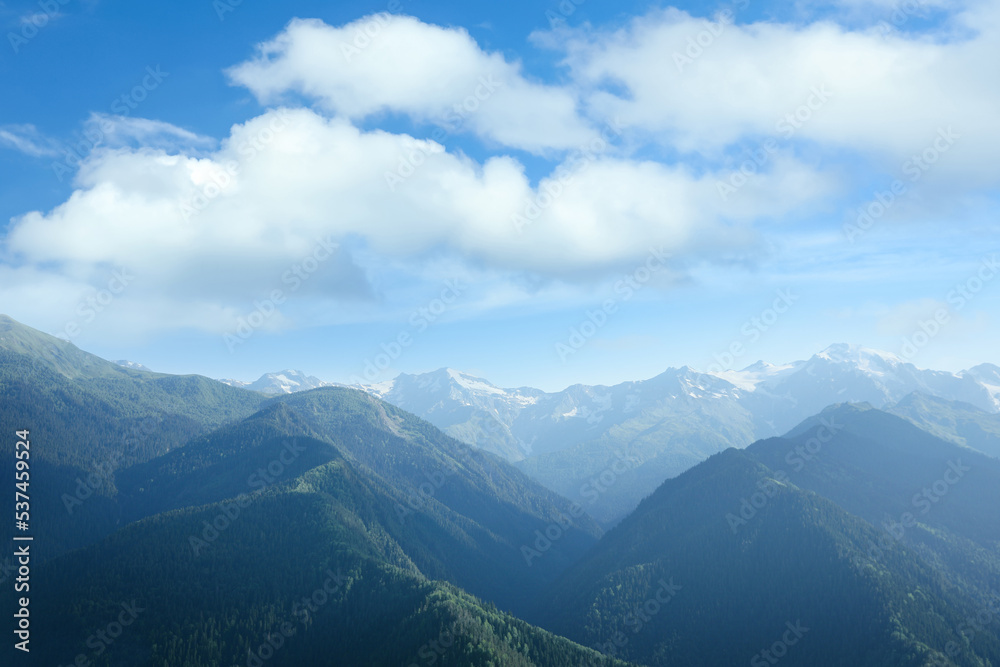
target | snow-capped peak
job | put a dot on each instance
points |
(755, 374)
(134, 365)
(471, 383)
(857, 355)
(283, 382)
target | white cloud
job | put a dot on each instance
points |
(388, 63)
(28, 140)
(207, 227)
(888, 95)
(115, 131)
(289, 177)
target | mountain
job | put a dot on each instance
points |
(467, 408)
(958, 422)
(855, 374)
(132, 364)
(641, 434)
(301, 572)
(178, 520)
(763, 553)
(938, 498)
(114, 445)
(88, 418)
(64, 392)
(284, 382)
(322, 526)
(608, 447)
(457, 513)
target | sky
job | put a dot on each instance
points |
(540, 194)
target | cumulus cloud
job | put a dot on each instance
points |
(389, 63)
(700, 86)
(291, 175)
(222, 227)
(207, 226)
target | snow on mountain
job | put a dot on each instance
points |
(755, 374)
(525, 422)
(663, 425)
(988, 376)
(283, 382)
(463, 406)
(132, 364)
(234, 383)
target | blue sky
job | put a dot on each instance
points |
(361, 189)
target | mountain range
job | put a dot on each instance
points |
(856, 538)
(645, 431)
(180, 521)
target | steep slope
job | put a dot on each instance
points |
(89, 409)
(465, 407)
(675, 421)
(88, 418)
(852, 373)
(460, 514)
(569, 439)
(962, 423)
(700, 574)
(300, 573)
(936, 497)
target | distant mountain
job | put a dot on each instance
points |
(133, 365)
(467, 408)
(958, 422)
(781, 551)
(319, 527)
(330, 526)
(636, 434)
(855, 374)
(284, 382)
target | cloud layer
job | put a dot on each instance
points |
(636, 141)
